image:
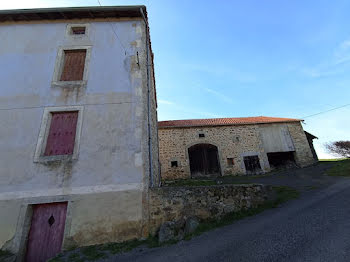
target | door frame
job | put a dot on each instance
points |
(204, 141)
(20, 241)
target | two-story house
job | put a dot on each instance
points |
(78, 132)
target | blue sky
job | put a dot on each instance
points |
(248, 58)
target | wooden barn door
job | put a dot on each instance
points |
(204, 161)
(46, 231)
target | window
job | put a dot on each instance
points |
(59, 134)
(230, 161)
(61, 137)
(252, 164)
(201, 135)
(73, 65)
(78, 30)
(173, 163)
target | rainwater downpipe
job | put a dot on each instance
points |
(150, 157)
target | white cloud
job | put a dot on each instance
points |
(169, 109)
(221, 96)
(221, 70)
(165, 102)
(342, 53)
(334, 65)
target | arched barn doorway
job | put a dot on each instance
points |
(204, 160)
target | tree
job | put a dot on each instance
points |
(339, 148)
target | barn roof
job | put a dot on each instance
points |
(225, 121)
(89, 12)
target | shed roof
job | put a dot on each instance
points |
(225, 121)
(309, 135)
(90, 12)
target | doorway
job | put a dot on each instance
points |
(281, 159)
(204, 160)
(252, 165)
(46, 231)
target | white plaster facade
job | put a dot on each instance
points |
(106, 181)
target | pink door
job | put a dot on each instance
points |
(46, 231)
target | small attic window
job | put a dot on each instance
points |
(201, 135)
(78, 30)
(173, 163)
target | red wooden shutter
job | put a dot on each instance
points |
(73, 67)
(61, 138)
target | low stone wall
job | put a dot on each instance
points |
(203, 202)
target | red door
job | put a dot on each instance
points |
(46, 231)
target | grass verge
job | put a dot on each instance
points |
(191, 182)
(340, 168)
(332, 160)
(4, 254)
(91, 253)
(222, 180)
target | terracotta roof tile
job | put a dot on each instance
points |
(225, 121)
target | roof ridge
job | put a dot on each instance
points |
(225, 121)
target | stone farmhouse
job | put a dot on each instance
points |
(232, 146)
(78, 134)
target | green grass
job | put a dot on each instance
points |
(282, 195)
(227, 179)
(331, 160)
(115, 248)
(75, 257)
(4, 254)
(192, 182)
(204, 182)
(93, 252)
(340, 168)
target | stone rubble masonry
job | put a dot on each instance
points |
(203, 202)
(235, 141)
(303, 151)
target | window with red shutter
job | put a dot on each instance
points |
(61, 137)
(73, 65)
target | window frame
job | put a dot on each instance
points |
(59, 64)
(73, 36)
(230, 161)
(44, 132)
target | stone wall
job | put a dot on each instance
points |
(303, 153)
(232, 142)
(203, 202)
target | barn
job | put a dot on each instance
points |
(232, 146)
